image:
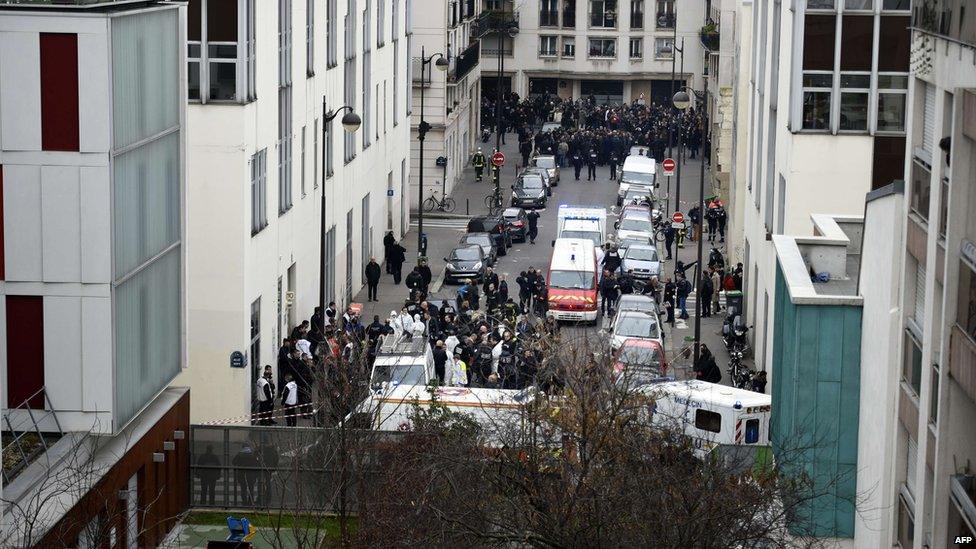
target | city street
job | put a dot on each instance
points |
(443, 231)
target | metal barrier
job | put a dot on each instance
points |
(256, 467)
(23, 421)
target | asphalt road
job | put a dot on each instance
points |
(443, 233)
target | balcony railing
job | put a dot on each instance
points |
(709, 37)
(465, 62)
(493, 52)
(548, 18)
(491, 21)
(664, 20)
(945, 18)
(963, 490)
(962, 360)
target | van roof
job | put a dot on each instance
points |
(463, 397)
(576, 254)
(713, 393)
(589, 212)
(639, 163)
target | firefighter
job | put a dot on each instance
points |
(478, 160)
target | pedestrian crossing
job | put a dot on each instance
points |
(460, 224)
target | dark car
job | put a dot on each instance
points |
(466, 261)
(487, 243)
(530, 191)
(518, 223)
(494, 225)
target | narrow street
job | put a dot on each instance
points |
(443, 232)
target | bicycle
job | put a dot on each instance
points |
(494, 202)
(446, 204)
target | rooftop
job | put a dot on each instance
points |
(81, 5)
(823, 269)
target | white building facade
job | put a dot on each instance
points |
(258, 73)
(452, 98)
(615, 50)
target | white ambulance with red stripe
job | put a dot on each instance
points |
(712, 414)
(572, 280)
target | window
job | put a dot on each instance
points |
(906, 522)
(310, 37)
(854, 92)
(603, 47)
(636, 14)
(921, 189)
(255, 358)
(366, 238)
(304, 166)
(636, 48)
(892, 95)
(820, 5)
(367, 100)
(548, 13)
(934, 396)
(349, 256)
(912, 368)
(284, 150)
(547, 46)
(706, 420)
(664, 48)
(409, 76)
(330, 251)
(569, 14)
(817, 90)
(396, 81)
(59, 91)
(569, 47)
(329, 146)
(216, 59)
(25, 360)
(966, 307)
(349, 98)
(603, 14)
(752, 431)
(380, 23)
(259, 191)
(944, 207)
(664, 16)
(284, 42)
(332, 38)
(315, 154)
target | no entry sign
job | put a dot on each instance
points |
(668, 165)
(498, 159)
(678, 217)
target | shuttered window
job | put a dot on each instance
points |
(919, 294)
(928, 119)
(912, 462)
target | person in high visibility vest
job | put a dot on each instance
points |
(478, 160)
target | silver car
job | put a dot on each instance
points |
(643, 261)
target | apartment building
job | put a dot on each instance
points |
(452, 98)
(935, 468)
(721, 37)
(259, 156)
(92, 276)
(615, 50)
(826, 104)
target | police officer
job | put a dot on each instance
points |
(478, 160)
(577, 164)
(533, 217)
(613, 165)
(482, 364)
(265, 390)
(591, 165)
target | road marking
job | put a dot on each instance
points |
(680, 324)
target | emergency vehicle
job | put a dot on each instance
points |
(572, 281)
(714, 416)
(582, 222)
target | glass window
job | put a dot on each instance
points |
(906, 524)
(572, 280)
(966, 307)
(912, 368)
(637, 325)
(603, 47)
(895, 5)
(944, 207)
(752, 431)
(894, 42)
(548, 13)
(569, 47)
(547, 45)
(706, 420)
(569, 14)
(636, 14)
(853, 111)
(664, 16)
(818, 42)
(664, 48)
(215, 77)
(820, 5)
(934, 396)
(259, 194)
(858, 5)
(603, 13)
(921, 189)
(892, 97)
(816, 110)
(858, 42)
(636, 48)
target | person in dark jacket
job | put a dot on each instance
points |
(502, 290)
(706, 369)
(525, 291)
(533, 217)
(612, 260)
(706, 296)
(388, 241)
(372, 279)
(694, 215)
(425, 274)
(208, 471)
(489, 279)
(683, 290)
(415, 282)
(669, 234)
(577, 164)
(398, 254)
(440, 359)
(591, 165)
(608, 292)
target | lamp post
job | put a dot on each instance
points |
(682, 101)
(681, 50)
(350, 123)
(422, 128)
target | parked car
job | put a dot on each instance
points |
(636, 302)
(624, 243)
(643, 260)
(518, 223)
(494, 225)
(466, 261)
(635, 324)
(635, 226)
(488, 246)
(640, 362)
(548, 162)
(543, 173)
(529, 191)
(551, 126)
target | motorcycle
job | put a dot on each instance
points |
(485, 135)
(734, 331)
(740, 374)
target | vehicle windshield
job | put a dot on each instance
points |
(628, 242)
(546, 162)
(482, 240)
(596, 237)
(531, 182)
(401, 374)
(465, 254)
(642, 254)
(634, 355)
(637, 177)
(637, 326)
(511, 214)
(627, 303)
(571, 280)
(639, 193)
(632, 224)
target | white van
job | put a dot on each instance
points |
(582, 222)
(637, 171)
(712, 415)
(572, 280)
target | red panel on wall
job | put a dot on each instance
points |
(59, 91)
(25, 349)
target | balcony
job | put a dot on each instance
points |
(963, 493)
(945, 18)
(962, 360)
(548, 18)
(709, 37)
(464, 62)
(503, 19)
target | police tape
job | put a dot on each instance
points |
(263, 416)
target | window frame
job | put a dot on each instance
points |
(640, 48)
(259, 191)
(553, 41)
(909, 376)
(567, 41)
(667, 40)
(604, 40)
(880, 91)
(866, 92)
(805, 89)
(603, 10)
(637, 11)
(704, 420)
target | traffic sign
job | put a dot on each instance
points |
(678, 217)
(668, 165)
(498, 159)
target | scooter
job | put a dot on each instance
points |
(485, 135)
(734, 332)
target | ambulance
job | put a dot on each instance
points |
(572, 281)
(717, 418)
(582, 222)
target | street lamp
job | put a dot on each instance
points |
(350, 123)
(422, 128)
(682, 101)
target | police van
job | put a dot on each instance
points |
(638, 171)
(714, 416)
(582, 222)
(572, 281)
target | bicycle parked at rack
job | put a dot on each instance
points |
(446, 204)
(494, 202)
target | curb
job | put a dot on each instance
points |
(438, 215)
